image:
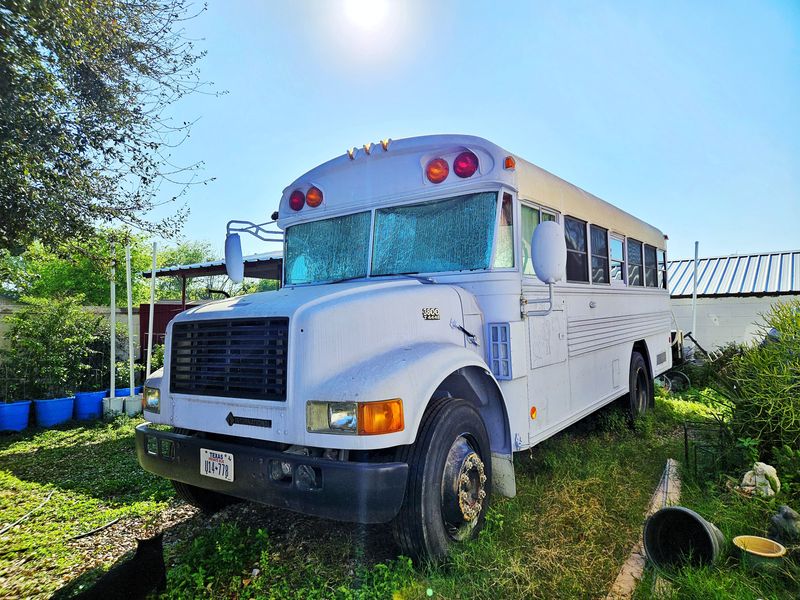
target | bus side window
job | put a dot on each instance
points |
(635, 264)
(599, 241)
(504, 251)
(662, 269)
(530, 219)
(577, 254)
(617, 259)
(650, 266)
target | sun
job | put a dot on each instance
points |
(367, 15)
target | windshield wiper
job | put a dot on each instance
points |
(413, 275)
(346, 279)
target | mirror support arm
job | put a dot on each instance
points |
(257, 230)
(549, 301)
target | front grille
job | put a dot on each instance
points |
(237, 358)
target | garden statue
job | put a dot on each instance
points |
(761, 480)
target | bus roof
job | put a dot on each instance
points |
(392, 172)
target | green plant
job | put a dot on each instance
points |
(786, 461)
(51, 347)
(762, 382)
(749, 448)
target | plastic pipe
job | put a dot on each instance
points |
(113, 322)
(130, 316)
(151, 312)
(694, 291)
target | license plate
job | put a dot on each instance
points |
(218, 465)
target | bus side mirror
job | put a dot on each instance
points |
(234, 265)
(549, 252)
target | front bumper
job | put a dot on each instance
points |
(345, 491)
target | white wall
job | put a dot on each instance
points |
(726, 319)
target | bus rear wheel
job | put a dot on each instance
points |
(640, 386)
(449, 481)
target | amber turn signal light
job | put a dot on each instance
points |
(385, 416)
(437, 170)
(314, 197)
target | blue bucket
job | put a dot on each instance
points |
(14, 415)
(53, 412)
(89, 405)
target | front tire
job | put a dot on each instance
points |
(640, 386)
(449, 481)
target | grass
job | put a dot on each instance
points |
(91, 477)
(578, 512)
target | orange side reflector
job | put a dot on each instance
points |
(380, 417)
(509, 163)
(533, 413)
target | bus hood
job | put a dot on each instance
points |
(287, 301)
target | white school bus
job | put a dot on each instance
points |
(444, 304)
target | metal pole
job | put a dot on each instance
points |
(694, 292)
(113, 315)
(130, 317)
(151, 312)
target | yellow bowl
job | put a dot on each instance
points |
(759, 551)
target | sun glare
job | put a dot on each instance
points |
(368, 15)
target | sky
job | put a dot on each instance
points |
(685, 114)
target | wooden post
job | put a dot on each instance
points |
(183, 292)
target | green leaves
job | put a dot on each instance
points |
(83, 85)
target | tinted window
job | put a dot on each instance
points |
(577, 259)
(635, 264)
(650, 266)
(599, 254)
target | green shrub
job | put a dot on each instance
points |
(762, 383)
(52, 348)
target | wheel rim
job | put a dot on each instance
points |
(463, 488)
(641, 391)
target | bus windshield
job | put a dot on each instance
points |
(454, 234)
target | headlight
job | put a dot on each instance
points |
(355, 418)
(151, 400)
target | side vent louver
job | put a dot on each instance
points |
(500, 350)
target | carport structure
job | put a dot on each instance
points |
(256, 266)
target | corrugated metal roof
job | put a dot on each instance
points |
(250, 258)
(737, 275)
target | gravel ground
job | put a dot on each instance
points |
(365, 545)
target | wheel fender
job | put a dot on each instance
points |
(412, 373)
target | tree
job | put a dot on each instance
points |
(84, 85)
(79, 268)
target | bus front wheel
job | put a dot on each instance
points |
(640, 386)
(449, 481)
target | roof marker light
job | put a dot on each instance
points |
(314, 196)
(437, 170)
(297, 200)
(509, 163)
(465, 164)
(368, 148)
(351, 153)
(385, 144)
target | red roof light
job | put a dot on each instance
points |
(297, 200)
(465, 164)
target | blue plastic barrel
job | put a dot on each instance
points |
(89, 405)
(138, 390)
(14, 415)
(122, 392)
(53, 412)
